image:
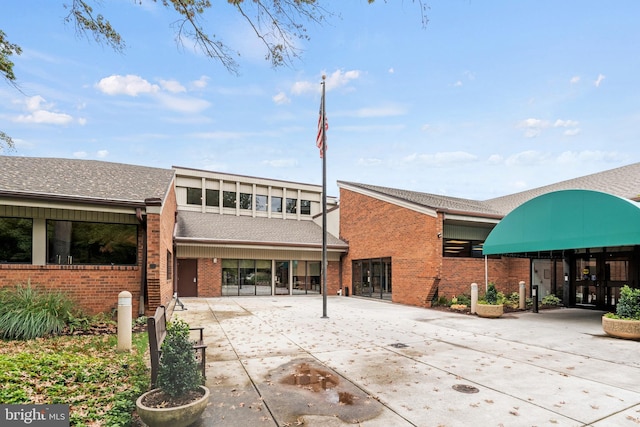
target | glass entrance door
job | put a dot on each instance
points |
(282, 277)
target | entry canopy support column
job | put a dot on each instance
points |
(567, 219)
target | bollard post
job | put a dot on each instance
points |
(523, 296)
(124, 321)
(534, 297)
(474, 297)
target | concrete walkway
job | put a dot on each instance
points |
(274, 361)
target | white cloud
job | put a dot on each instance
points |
(571, 132)
(39, 112)
(281, 98)
(103, 153)
(183, 104)
(130, 84)
(201, 83)
(574, 80)
(495, 159)
(369, 162)
(339, 78)
(599, 80)
(280, 163)
(457, 84)
(529, 157)
(440, 159)
(43, 116)
(335, 80)
(388, 111)
(533, 127)
(82, 121)
(391, 71)
(80, 154)
(588, 156)
(426, 127)
(565, 123)
(172, 86)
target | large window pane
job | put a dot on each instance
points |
(194, 196)
(276, 204)
(305, 207)
(245, 201)
(261, 203)
(229, 199)
(16, 240)
(74, 242)
(213, 198)
(230, 277)
(291, 205)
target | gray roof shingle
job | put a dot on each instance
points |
(89, 180)
(239, 229)
(622, 182)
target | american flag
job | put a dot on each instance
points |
(321, 137)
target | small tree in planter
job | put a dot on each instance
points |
(625, 322)
(180, 397)
(492, 303)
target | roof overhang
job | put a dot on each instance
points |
(390, 199)
(568, 219)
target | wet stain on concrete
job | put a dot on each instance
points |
(223, 315)
(305, 387)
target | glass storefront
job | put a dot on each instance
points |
(372, 278)
(257, 277)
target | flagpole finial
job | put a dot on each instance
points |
(324, 77)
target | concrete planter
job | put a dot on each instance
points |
(489, 310)
(620, 328)
(180, 416)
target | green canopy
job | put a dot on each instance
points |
(568, 219)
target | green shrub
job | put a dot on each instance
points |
(178, 372)
(628, 306)
(513, 300)
(464, 300)
(492, 296)
(550, 300)
(27, 312)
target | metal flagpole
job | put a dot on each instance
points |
(324, 205)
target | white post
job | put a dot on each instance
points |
(124, 321)
(474, 297)
(523, 300)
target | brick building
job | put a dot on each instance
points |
(93, 229)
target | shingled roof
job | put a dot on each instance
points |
(623, 182)
(84, 180)
(212, 228)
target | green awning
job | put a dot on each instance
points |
(569, 219)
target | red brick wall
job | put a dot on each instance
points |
(94, 288)
(209, 277)
(459, 273)
(376, 229)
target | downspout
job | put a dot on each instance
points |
(143, 265)
(175, 257)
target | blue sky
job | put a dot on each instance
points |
(490, 98)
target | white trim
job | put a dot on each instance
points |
(393, 200)
(470, 218)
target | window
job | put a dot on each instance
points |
(229, 199)
(169, 265)
(276, 204)
(213, 198)
(16, 240)
(194, 196)
(261, 203)
(93, 243)
(305, 207)
(462, 248)
(245, 201)
(291, 205)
